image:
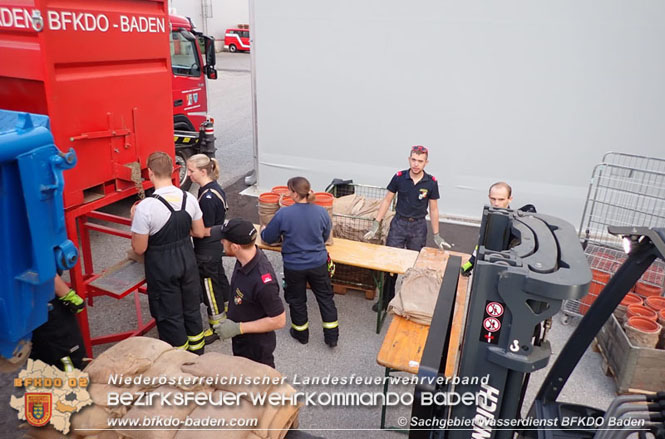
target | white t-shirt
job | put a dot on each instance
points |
(151, 214)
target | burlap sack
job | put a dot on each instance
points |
(94, 418)
(417, 297)
(99, 392)
(267, 212)
(353, 216)
(129, 357)
(105, 435)
(157, 410)
(275, 417)
(226, 366)
(169, 365)
(244, 411)
(30, 432)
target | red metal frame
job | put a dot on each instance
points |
(81, 276)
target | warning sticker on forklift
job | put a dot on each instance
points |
(492, 321)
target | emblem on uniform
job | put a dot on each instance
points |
(237, 299)
(266, 278)
(38, 408)
(423, 194)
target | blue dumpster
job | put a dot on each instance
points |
(33, 244)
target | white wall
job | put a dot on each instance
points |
(221, 14)
(530, 92)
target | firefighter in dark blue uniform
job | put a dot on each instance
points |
(161, 228)
(204, 171)
(417, 191)
(255, 308)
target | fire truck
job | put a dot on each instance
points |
(110, 80)
(193, 128)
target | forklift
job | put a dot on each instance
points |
(527, 265)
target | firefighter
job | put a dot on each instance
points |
(304, 228)
(255, 308)
(500, 195)
(161, 228)
(417, 190)
(58, 342)
(204, 171)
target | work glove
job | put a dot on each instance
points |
(441, 243)
(466, 268)
(227, 329)
(73, 302)
(373, 231)
(216, 319)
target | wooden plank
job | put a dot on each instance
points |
(403, 345)
(364, 255)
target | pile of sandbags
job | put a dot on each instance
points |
(155, 361)
(353, 215)
(416, 299)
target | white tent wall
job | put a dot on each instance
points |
(530, 92)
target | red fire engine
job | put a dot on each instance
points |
(103, 71)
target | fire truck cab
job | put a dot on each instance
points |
(192, 61)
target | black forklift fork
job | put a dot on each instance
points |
(527, 265)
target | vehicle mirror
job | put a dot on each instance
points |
(210, 56)
(211, 72)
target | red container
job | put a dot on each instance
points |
(324, 199)
(644, 324)
(598, 281)
(286, 201)
(281, 190)
(656, 303)
(631, 299)
(641, 311)
(269, 198)
(646, 290)
(106, 86)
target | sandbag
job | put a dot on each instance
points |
(94, 418)
(46, 432)
(245, 410)
(99, 392)
(277, 416)
(353, 216)
(128, 357)
(226, 366)
(417, 296)
(169, 365)
(162, 411)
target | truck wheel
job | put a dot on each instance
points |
(233, 48)
(181, 156)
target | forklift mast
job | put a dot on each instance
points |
(527, 265)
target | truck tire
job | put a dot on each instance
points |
(181, 156)
(233, 48)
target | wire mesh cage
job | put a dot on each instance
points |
(360, 211)
(625, 190)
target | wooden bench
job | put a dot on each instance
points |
(405, 340)
(365, 255)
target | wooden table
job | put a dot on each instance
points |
(365, 255)
(405, 340)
